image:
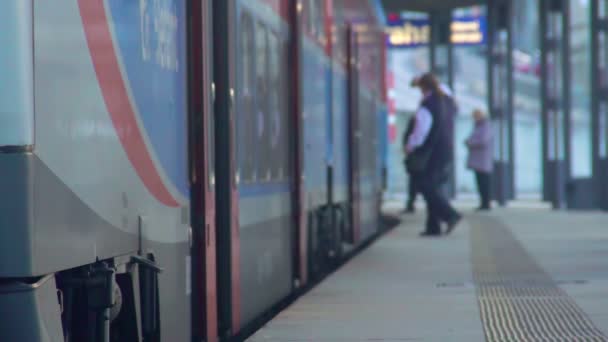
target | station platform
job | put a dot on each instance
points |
(523, 273)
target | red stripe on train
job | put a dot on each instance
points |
(114, 89)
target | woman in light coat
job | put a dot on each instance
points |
(480, 158)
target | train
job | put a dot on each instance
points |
(171, 170)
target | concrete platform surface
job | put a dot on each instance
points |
(407, 288)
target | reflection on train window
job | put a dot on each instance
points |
(341, 43)
(286, 142)
(210, 122)
(320, 20)
(315, 19)
(262, 169)
(338, 34)
(246, 114)
(275, 112)
(262, 121)
(336, 42)
(311, 18)
(211, 140)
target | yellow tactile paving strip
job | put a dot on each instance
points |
(518, 300)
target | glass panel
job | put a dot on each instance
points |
(277, 116)
(527, 117)
(210, 122)
(603, 109)
(602, 53)
(261, 122)
(245, 147)
(603, 130)
(211, 139)
(580, 59)
(555, 86)
(312, 17)
(287, 128)
(500, 99)
(441, 62)
(320, 20)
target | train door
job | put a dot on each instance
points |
(353, 235)
(202, 175)
(228, 239)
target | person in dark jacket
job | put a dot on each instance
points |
(412, 189)
(430, 153)
(480, 158)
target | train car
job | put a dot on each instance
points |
(315, 101)
(365, 49)
(256, 217)
(371, 113)
(172, 170)
(336, 88)
(279, 228)
(95, 219)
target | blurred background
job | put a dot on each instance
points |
(469, 85)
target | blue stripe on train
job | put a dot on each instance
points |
(151, 42)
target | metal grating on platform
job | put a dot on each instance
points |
(517, 299)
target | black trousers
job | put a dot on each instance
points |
(483, 187)
(413, 191)
(438, 207)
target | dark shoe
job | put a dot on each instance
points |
(429, 234)
(453, 223)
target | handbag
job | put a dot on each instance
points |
(418, 160)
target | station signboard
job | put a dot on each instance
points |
(409, 33)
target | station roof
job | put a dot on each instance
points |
(396, 6)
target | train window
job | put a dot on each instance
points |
(311, 18)
(247, 44)
(211, 135)
(261, 122)
(246, 113)
(340, 41)
(276, 116)
(320, 20)
(287, 122)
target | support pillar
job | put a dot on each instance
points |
(441, 50)
(555, 91)
(500, 96)
(442, 65)
(599, 104)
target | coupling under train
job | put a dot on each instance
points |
(172, 169)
